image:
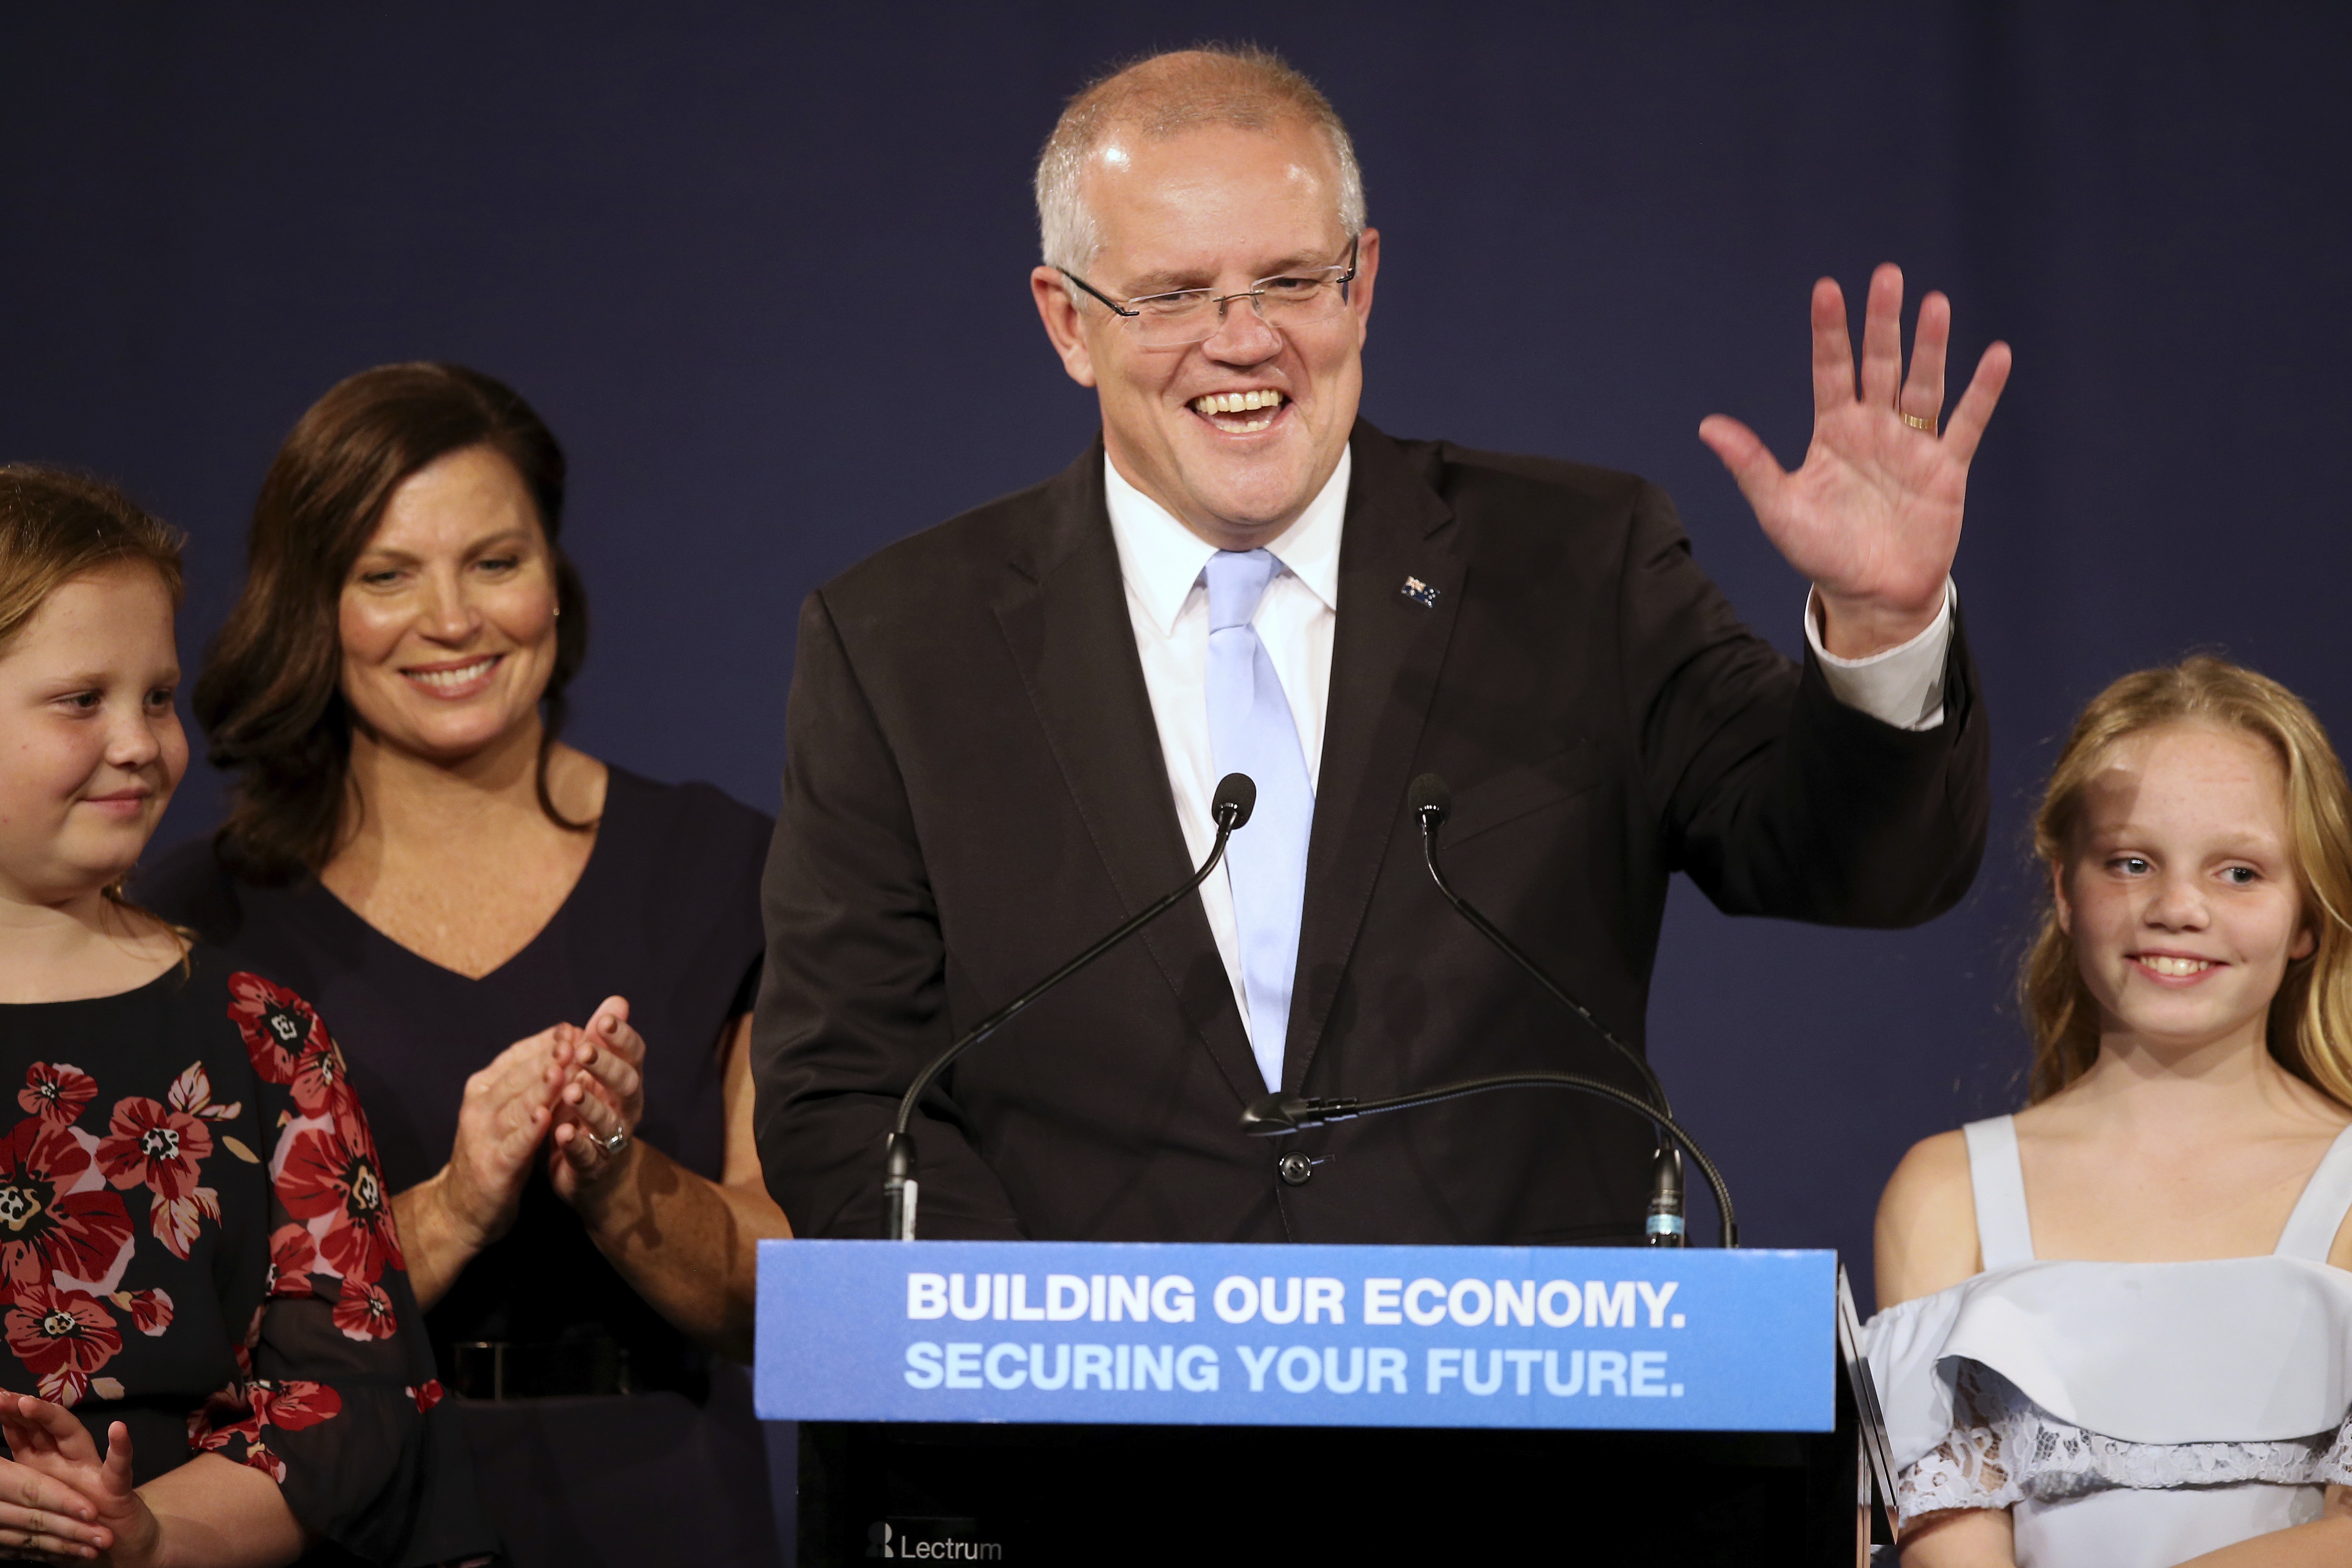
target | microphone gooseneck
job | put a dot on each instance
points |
(1432, 803)
(1235, 798)
(1274, 1115)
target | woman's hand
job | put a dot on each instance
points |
(688, 1244)
(472, 1199)
(60, 1502)
(602, 1098)
(508, 1108)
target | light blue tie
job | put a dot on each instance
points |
(1251, 731)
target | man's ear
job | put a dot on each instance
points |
(1058, 308)
(2058, 898)
(1360, 292)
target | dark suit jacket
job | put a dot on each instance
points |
(976, 791)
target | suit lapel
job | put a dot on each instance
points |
(1386, 654)
(1062, 609)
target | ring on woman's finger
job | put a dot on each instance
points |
(1918, 422)
(613, 1143)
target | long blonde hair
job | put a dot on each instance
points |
(2310, 1020)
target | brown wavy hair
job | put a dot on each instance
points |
(2310, 1020)
(55, 526)
(270, 697)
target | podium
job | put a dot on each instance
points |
(1095, 1402)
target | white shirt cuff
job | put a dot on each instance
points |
(1902, 686)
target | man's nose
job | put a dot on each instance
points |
(1242, 336)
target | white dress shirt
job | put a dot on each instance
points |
(1160, 560)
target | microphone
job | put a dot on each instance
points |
(1274, 1115)
(1432, 803)
(1235, 798)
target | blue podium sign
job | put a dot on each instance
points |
(1183, 1334)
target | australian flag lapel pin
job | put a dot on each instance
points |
(1419, 593)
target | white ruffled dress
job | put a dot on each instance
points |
(2130, 1415)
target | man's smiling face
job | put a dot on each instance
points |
(1235, 435)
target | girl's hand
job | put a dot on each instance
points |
(508, 1108)
(601, 1104)
(60, 1502)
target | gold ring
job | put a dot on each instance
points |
(1916, 423)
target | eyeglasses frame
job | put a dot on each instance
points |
(1254, 293)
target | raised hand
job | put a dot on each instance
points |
(60, 1502)
(1873, 516)
(603, 1096)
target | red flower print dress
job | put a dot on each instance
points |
(195, 1240)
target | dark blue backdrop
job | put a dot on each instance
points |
(763, 269)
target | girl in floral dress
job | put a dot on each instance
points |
(212, 1351)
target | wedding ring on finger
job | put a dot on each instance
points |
(613, 1143)
(1918, 422)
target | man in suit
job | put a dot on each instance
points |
(1005, 734)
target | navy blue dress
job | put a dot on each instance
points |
(667, 913)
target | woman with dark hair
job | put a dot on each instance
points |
(415, 849)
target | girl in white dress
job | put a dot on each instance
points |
(2118, 1330)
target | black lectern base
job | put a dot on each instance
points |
(1111, 1495)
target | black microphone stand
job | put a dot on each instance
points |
(1433, 802)
(1235, 798)
(1273, 1115)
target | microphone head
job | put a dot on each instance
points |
(1237, 793)
(1271, 1115)
(1430, 800)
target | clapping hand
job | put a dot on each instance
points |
(506, 1110)
(60, 1502)
(1873, 516)
(602, 1100)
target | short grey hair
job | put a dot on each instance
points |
(1217, 84)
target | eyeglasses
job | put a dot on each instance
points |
(1189, 316)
